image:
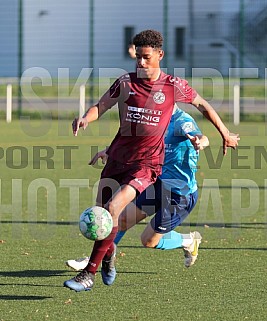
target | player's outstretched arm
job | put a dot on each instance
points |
(229, 139)
(82, 122)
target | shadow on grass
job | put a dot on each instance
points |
(235, 248)
(31, 285)
(136, 272)
(29, 274)
(40, 222)
(33, 273)
(256, 225)
(24, 298)
(211, 248)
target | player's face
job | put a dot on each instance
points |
(148, 62)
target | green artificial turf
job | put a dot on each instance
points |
(228, 281)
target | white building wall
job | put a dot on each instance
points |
(56, 35)
(212, 25)
(8, 38)
(178, 17)
(111, 17)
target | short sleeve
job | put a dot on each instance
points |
(183, 92)
(111, 97)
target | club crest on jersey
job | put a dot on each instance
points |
(159, 97)
(188, 127)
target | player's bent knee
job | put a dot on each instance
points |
(147, 242)
(113, 209)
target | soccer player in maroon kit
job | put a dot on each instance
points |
(145, 100)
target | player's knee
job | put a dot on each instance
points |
(146, 241)
(112, 208)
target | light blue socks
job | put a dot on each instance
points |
(170, 241)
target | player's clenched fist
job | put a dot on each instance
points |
(77, 124)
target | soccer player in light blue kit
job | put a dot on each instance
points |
(172, 197)
(175, 190)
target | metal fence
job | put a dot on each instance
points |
(63, 37)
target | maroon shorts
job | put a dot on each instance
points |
(135, 175)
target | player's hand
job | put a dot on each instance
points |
(195, 141)
(79, 123)
(102, 154)
(231, 140)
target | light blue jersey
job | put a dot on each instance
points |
(180, 163)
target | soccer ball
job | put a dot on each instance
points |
(95, 223)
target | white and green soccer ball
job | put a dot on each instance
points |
(95, 223)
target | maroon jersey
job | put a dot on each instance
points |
(145, 109)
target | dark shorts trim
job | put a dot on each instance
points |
(170, 209)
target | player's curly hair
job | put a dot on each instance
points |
(148, 38)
